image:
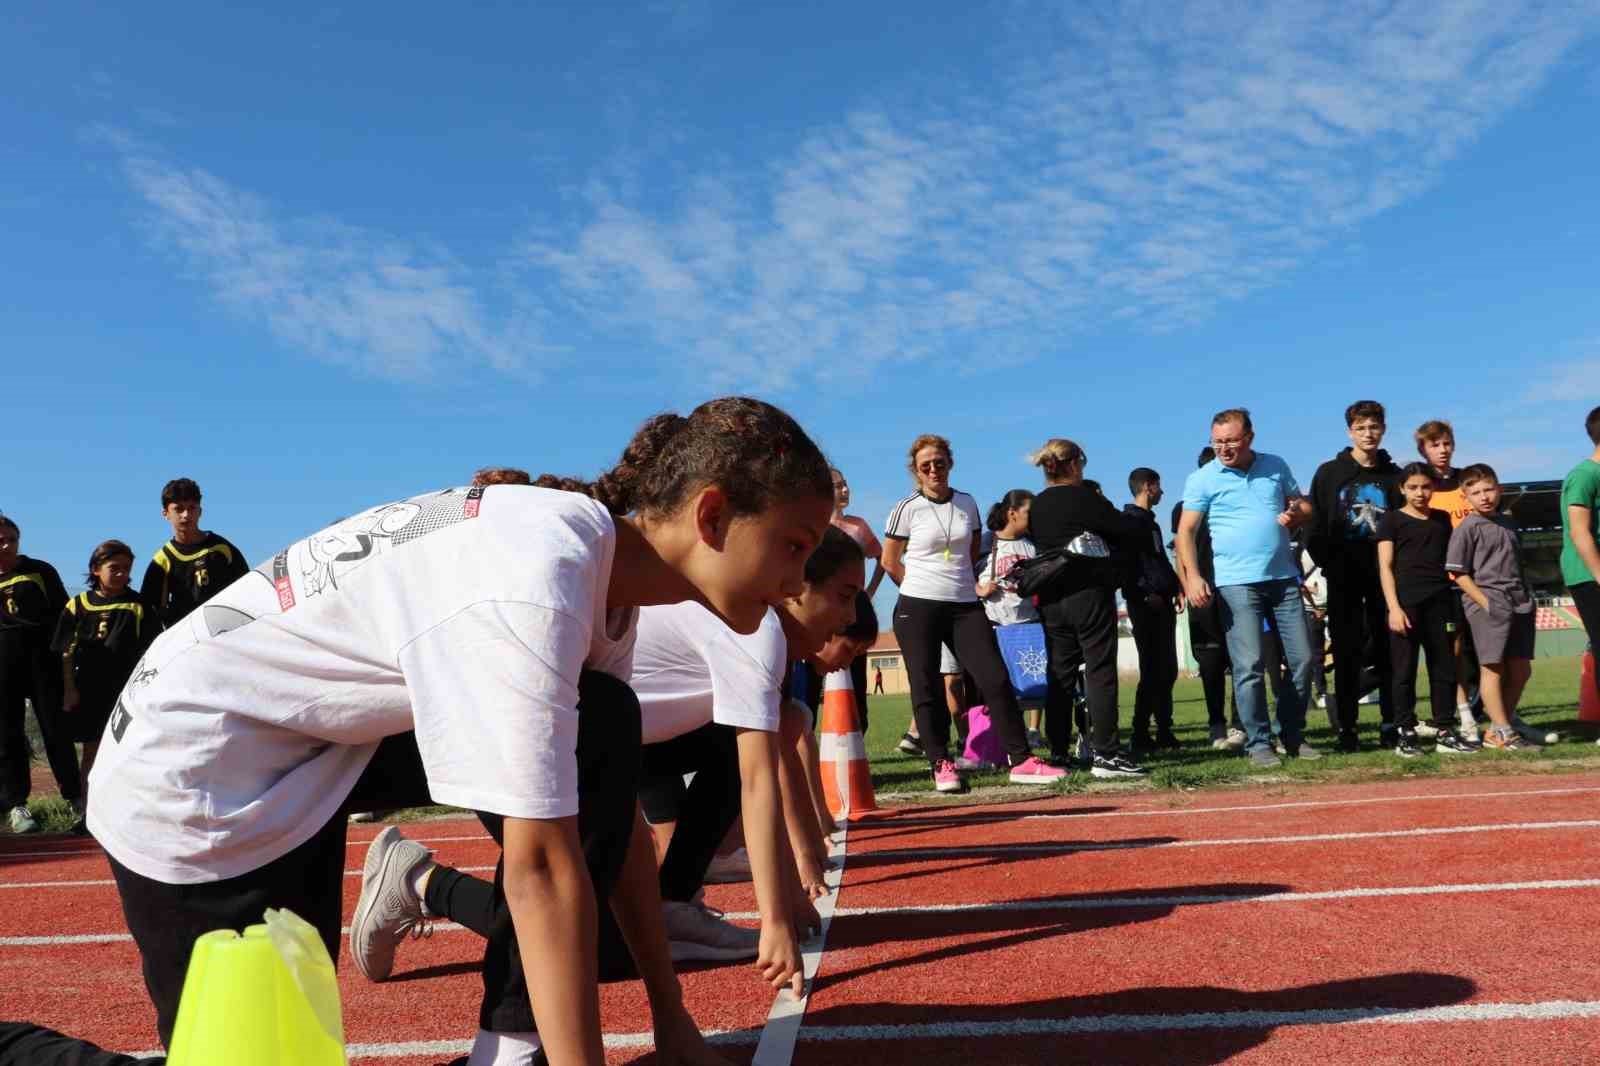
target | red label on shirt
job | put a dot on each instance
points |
(280, 581)
(474, 501)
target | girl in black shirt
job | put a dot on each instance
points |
(101, 635)
(1412, 542)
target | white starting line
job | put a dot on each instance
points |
(1546, 1011)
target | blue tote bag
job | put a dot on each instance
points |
(1022, 648)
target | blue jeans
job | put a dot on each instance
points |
(1245, 610)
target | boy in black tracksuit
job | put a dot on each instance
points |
(194, 565)
(31, 599)
(1351, 493)
(1150, 589)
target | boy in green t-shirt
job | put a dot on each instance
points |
(1580, 540)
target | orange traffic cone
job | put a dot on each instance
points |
(1588, 695)
(846, 776)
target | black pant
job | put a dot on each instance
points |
(165, 919)
(1207, 642)
(1358, 617)
(1433, 629)
(29, 670)
(1154, 627)
(1317, 630)
(608, 779)
(704, 810)
(858, 678)
(1080, 629)
(1586, 597)
(29, 1045)
(921, 626)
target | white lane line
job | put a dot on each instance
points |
(1085, 903)
(1300, 804)
(119, 938)
(975, 850)
(1549, 1010)
(983, 817)
(778, 1035)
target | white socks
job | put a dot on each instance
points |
(503, 1049)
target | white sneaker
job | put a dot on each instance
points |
(388, 908)
(1426, 730)
(362, 817)
(695, 932)
(22, 820)
(729, 869)
(1236, 738)
(964, 763)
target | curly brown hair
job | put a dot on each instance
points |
(928, 440)
(501, 475)
(754, 452)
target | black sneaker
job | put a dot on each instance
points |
(1449, 742)
(910, 745)
(1348, 742)
(1388, 735)
(1405, 744)
(1141, 744)
(1116, 765)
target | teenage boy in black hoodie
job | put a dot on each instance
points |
(1150, 589)
(1351, 493)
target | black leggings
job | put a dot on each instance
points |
(1081, 630)
(921, 626)
(1433, 629)
(1586, 597)
(165, 919)
(1154, 626)
(1358, 618)
(30, 671)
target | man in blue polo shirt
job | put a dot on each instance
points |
(1250, 502)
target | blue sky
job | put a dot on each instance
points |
(320, 257)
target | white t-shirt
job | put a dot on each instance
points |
(938, 536)
(466, 614)
(690, 669)
(1003, 606)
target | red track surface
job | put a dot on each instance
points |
(1032, 983)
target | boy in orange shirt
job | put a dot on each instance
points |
(1436, 443)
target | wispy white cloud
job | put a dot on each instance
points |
(1137, 162)
(349, 295)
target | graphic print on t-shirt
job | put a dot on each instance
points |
(325, 558)
(1361, 506)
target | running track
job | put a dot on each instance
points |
(1438, 921)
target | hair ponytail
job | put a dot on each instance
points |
(1000, 513)
(754, 452)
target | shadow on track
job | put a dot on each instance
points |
(1033, 922)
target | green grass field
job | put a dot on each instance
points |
(1550, 702)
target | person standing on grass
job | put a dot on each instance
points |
(1436, 443)
(1155, 599)
(1351, 493)
(1008, 520)
(1251, 501)
(1580, 534)
(194, 565)
(1207, 640)
(481, 632)
(931, 547)
(100, 636)
(1485, 558)
(31, 600)
(1413, 541)
(1080, 612)
(860, 530)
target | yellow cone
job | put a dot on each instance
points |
(267, 998)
